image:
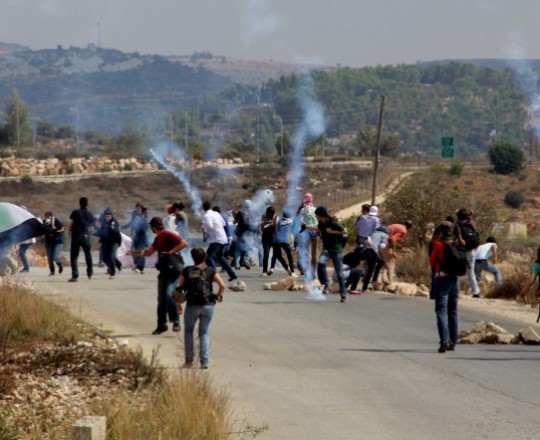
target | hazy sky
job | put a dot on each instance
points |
(350, 32)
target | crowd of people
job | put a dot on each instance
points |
(312, 233)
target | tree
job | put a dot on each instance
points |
(506, 158)
(17, 125)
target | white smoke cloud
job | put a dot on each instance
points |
(313, 125)
(159, 154)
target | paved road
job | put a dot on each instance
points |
(366, 369)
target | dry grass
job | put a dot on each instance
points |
(186, 405)
(148, 405)
(413, 265)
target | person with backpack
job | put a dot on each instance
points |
(196, 283)
(468, 238)
(449, 262)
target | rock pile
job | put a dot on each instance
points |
(491, 333)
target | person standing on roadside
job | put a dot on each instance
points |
(445, 291)
(81, 228)
(367, 223)
(54, 241)
(196, 281)
(468, 238)
(332, 234)
(213, 226)
(167, 244)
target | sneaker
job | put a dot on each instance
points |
(24, 270)
(270, 272)
(204, 366)
(51, 274)
(187, 365)
(160, 329)
(233, 278)
(111, 277)
(142, 272)
(72, 280)
(247, 266)
(476, 296)
(89, 277)
(325, 290)
(136, 270)
(237, 268)
(264, 275)
(61, 268)
(176, 327)
(343, 299)
(451, 347)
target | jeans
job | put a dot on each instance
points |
(23, 247)
(241, 251)
(480, 265)
(139, 243)
(166, 304)
(307, 253)
(215, 250)
(446, 290)
(470, 273)
(337, 259)
(204, 314)
(76, 243)
(53, 255)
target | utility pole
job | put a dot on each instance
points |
(377, 152)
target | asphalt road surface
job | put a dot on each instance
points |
(365, 369)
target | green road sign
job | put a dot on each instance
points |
(447, 144)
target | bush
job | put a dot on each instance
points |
(456, 169)
(514, 198)
(506, 158)
(27, 180)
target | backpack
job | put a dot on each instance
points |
(454, 262)
(199, 286)
(469, 234)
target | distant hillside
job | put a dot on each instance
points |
(494, 63)
(106, 86)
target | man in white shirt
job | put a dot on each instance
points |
(214, 227)
(481, 260)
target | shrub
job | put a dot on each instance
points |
(128, 167)
(27, 180)
(514, 198)
(456, 169)
(506, 158)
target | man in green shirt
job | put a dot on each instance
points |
(332, 233)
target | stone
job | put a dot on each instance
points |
(89, 428)
(494, 328)
(473, 338)
(529, 336)
(238, 286)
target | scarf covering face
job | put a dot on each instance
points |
(308, 199)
